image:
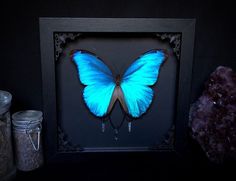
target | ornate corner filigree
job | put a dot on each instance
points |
(60, 40)
(174, 40)
(64, 143)
(168, 141)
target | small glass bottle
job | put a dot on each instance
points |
(7, 168)
(27, 126)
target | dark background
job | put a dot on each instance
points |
(20, 73)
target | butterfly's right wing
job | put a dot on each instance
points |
(137, 80)
(98, 79)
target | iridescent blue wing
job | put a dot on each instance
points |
(98, 79)
(137, 79)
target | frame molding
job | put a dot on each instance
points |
(179, 33)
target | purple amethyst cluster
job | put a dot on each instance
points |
(213, 116)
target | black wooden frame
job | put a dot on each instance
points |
(48, 26)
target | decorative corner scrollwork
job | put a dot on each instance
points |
(168, 141)
(174, 40)
(60, 40)
(64, 143)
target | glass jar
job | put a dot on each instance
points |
(6, 154)
(27, 126)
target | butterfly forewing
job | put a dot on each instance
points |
(99, 82)
(137, 79)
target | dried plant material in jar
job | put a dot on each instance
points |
(6, 156)
(6, 153)
(27, 139)
(28, 157)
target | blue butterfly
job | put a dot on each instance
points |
(132, 89)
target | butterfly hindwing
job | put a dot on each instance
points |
(98, 79)
(137, 79)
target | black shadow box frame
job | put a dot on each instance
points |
(56, 32)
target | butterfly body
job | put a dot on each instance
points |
(117, 95)
(132, 90)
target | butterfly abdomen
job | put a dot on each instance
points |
(118, 95)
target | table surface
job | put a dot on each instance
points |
(123, 171)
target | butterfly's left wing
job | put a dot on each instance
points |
(137, 79)
(98, 79)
